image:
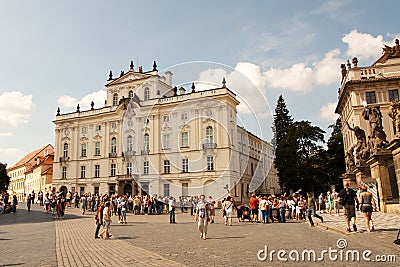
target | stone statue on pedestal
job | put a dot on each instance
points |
(360, 148)
(350, 164)
(377, 136)
(394, 113)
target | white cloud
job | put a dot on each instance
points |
(327, 70)
(298, 77)
(327, 112)
(247, 81)
(7, 134)
(363, 45)
(15, 108)
(98, 98)
(330, 7)
(67, 101)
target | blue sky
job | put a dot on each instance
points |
(54, 53)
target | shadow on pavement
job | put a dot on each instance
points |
(226, 237)
(12, 264)
(35, 215)
(125, 237)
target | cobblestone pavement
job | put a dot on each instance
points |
(75, 246)
(34, 239)
(27, 238)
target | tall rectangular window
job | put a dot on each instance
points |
(184, 116)
(146, 142)
(166, 141)
(96, 171)
(166, 190)
(167, 166)
(83, 150)
(97, 148)
(113, 169)
(370, 97)
(210, 163)
(129, 168)
(145, 167)
(394, 95)
(83, 171)
(113, 145)
(185, 165)
(184, 139)
(98, 127)
(64, 173)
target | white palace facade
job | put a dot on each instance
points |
(153, 138)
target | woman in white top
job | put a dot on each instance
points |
(227, 207)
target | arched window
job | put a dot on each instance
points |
(113, 145)
(146, 94)
(129, 143)
(130, 94)
(115, 99)
(146, 143)
(210, 134)
(65, 154)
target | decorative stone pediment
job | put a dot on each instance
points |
(129, 77)
(97, 137)
(65, 139)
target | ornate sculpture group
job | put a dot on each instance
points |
(364, 148)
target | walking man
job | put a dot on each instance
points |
(171, 208)
(28, 202)
(202, 216)
(311, 204)
(253, 203)
(348, 198)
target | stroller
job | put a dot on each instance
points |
(245, 213)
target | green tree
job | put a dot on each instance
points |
(282, 121)
(4, 179)
(335, 164)
(297, 162)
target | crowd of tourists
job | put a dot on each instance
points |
(259, 209)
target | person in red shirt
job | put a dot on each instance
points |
(254, 208)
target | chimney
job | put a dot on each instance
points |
(168, 77)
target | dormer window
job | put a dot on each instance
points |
(146, 94)
(115, 99)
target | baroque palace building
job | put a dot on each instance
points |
(153, 138)
(33, 172)
(369, 108)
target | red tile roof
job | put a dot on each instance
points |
(30, 157)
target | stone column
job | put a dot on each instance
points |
(394, 146)
(363, 174)
(379, 163)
